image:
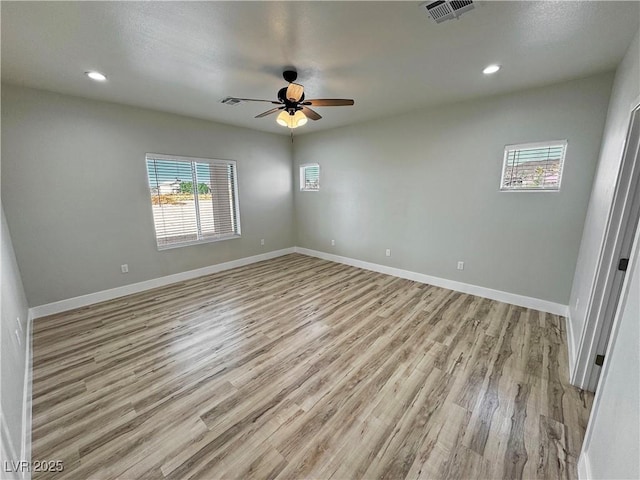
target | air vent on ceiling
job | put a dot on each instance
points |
(442, 10)
(230, 101)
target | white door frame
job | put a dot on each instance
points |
(617, 243)
(583, 461)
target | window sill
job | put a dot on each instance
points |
(197, 242)
(529, 190)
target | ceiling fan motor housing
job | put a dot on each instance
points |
(290, 106)
(290, 75)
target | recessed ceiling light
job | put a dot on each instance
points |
(97, 76)
(489, 69)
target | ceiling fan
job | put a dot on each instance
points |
(292, 105)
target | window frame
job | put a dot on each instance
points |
(303, 166)
(191, 160)
(522, 146)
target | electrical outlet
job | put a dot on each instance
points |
(333, 243)
(460, 265)
(388, 252)
(262, 241)
(124, 268)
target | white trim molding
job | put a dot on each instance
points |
(91, 298)
(584, 465)
(9, 453)
(506, 297)
(8, 448)
(571, 343)
(25, 447)
(616, 243)
(584, 471)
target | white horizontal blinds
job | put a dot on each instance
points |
(311, 177)
(192, 200)
(173, 202)
(533, 166)
(216, 199)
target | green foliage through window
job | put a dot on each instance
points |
(187, 187)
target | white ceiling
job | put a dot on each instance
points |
(184, 57)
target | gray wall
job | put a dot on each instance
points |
(425, 184)
(612, 444)
(75, 191)
(13, 351)
(626, 91)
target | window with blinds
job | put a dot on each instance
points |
(310, 177)
(533, 166)
(194, 200)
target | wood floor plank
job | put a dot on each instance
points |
(302, 368)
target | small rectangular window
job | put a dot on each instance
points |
(533, 166)
(310, 177)
(194, 200)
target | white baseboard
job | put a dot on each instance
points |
(25, 447)
(506, 297)
(584, 471)
(84, 300)
(91, 298)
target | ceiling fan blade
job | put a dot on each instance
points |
(311, 114)
(329, 102)
(269, 112)
(294, 92)
(250, 100)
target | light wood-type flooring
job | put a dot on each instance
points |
(299, 368)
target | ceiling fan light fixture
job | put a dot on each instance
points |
(300, 118)
(296, 120)
(283, 119)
